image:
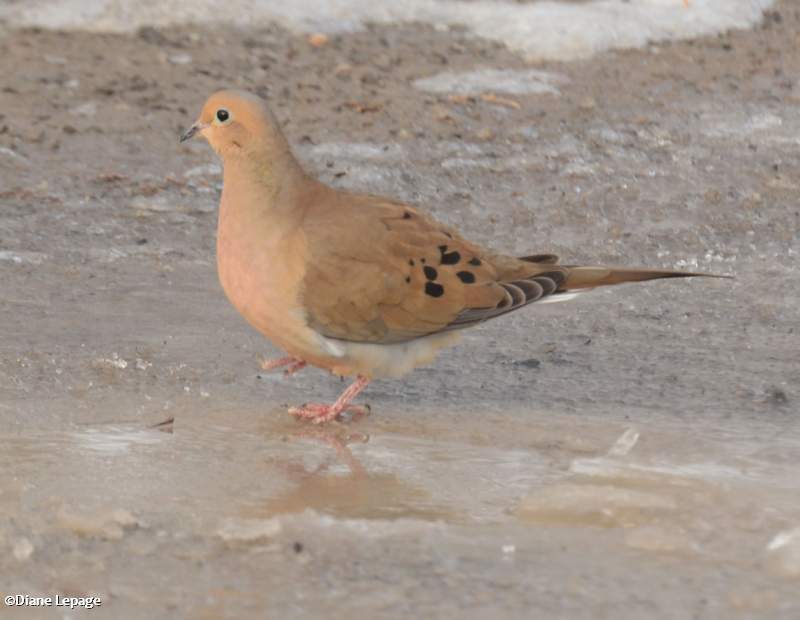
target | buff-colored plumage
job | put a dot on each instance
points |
(354, 283)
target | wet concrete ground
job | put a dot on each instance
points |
(632, 454)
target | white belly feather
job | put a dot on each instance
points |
(388, 360)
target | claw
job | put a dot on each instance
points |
(294, 364)
(319, 414)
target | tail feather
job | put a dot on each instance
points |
(555, 283)
(579, 277)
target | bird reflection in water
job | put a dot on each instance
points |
(356, 493)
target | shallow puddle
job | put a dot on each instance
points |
(258, 489)
(205, 467)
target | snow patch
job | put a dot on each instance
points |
(542, 30)
(492, 80)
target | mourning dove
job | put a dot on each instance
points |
(354, 283)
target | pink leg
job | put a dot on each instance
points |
(294, 364)
(319, 414)
(338, 442)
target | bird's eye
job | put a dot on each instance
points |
(223, 115)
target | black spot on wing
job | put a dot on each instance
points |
(433, 289)
(430, 272)
(406, 215)
(467, 277)
(450, 258)
(475, 262)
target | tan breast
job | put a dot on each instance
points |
(260, 267)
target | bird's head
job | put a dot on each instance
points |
(237, 123)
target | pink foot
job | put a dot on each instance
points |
(319, 414)
(294, 364)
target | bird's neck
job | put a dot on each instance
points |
(261, 192)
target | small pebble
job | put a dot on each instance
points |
(85, 109)
(180, 59)
(23, 549)
(343, 70)
(318, 39)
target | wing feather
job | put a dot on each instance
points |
(397, 274)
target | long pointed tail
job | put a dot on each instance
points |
(579, 277)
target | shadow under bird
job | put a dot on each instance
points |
(354, 283)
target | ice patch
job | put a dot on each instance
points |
(116, 442)
(612, 468)
(659, 538)
(236, 530)
(541, 30)
(159, 204)
(459, 163)
(736, 124)
(783, 539)
(598, 505)
(34, 258)
(784, 553)
(492, 80)
(115, 361)
(625, 443)
(22, 549)
(13, 155)
(108, 525)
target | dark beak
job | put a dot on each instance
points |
(189, 133)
